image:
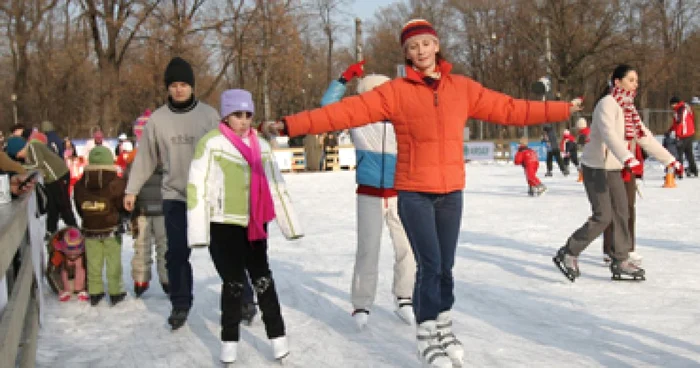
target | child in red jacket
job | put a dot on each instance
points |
(527, 157)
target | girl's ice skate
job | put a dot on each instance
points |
(448, 340)
(360, 316)
(404, 309)
(280, 348)
(430, 351)
(229, 351)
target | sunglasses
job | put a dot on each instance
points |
(243, 114)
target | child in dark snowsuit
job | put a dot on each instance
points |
(527, 157)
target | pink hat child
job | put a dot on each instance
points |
(72, 246)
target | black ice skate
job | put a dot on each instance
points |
(548, 173)
(178, 317)
(531, 191)
(567, 264)
(248, 312)
(626, 271)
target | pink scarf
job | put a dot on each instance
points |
(632, 121)
(262, 209)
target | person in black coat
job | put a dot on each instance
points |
(549, 138)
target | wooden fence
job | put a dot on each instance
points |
(19, 323)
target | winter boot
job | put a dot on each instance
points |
(360, 316)
(229, 351)
(96, 298)
(83, 296)
(178, 317)
(404, 309)
(166, 287)
(567, 263)
(280, 348)
(430, 352)
(117, 298)
(140, 288)
(626, 268)
(248, 312)
(447, 339)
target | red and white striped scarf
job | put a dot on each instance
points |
(625, 98)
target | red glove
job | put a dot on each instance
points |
(677, 167)
(634, 167)
(354, 70)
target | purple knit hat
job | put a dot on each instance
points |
(73, 243)
(233, 100)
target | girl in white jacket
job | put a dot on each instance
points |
(234, 190)
(609, 169)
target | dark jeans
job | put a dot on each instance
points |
(555, 154)
(573, 157)
(59, 204)
(685, 149)
(432, 223)
(177, 257)
(233, 254)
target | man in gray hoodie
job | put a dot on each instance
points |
(171, 135)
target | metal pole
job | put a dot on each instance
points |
(358, 39)
(14, 107)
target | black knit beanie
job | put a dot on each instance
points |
(179, 70)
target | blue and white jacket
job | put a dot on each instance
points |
(375, 147)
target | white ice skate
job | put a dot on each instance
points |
(449, 342)
(280, 348)
(361, 317)
(404, 309)
(635, 258)
(430, 351)
(229, 351)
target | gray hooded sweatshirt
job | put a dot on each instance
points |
(172, 136)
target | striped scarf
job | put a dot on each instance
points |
(625, 99)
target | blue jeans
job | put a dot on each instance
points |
(177, 257)
(432, 223)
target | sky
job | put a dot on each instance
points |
(364, 9)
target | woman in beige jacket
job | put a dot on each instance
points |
(609, 168)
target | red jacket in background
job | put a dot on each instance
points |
(683, 121)
(584, 135)
(527, 157)
(568, 137)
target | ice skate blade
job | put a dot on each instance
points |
(618, 277)
(563, 270)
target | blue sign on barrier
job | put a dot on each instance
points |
(539, 147)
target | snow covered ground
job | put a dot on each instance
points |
(513, 309)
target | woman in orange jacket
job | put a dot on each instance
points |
(428, 108)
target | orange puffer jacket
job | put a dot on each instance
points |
(429, 123)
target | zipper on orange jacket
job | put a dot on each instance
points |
(441, 134)
(436, 97)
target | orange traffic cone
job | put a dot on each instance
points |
(580, 176)
(670, 180)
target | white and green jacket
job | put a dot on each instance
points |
(218, 189)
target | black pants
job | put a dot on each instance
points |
(685, 148)
(552, 155)
(59, 204)
(232, 255)
(573, 157)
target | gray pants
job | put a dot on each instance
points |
(151, 230)
(608, 197)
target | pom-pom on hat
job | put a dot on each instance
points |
(98, 136)
(73, 243)
(41, 137)
(581, 123)
(233, 100)
(416, 27)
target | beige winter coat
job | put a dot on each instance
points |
(607, 148)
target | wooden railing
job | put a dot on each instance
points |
(19, 323)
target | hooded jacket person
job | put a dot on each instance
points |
(54, 142)
(375, 149)
(98, 198)
(169, 138)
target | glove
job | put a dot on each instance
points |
(677, 167)
(354, 70)
(633, 168)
